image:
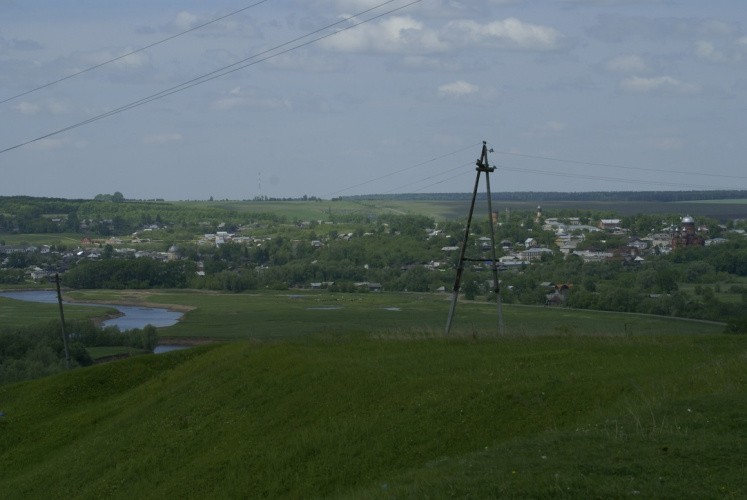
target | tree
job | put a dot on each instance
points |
(470, 290)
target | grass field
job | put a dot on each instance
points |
(69, 239)
(457, 209)
(361, 396)
(98, 353)
(15, 313)
(548, 416)
(274, 315)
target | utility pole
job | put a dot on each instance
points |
(482, 166)
(62, 320)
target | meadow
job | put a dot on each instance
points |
(362, 396)
(67, 239)
(353, 417)
(17, 313)
(293, 314)
(441, 210)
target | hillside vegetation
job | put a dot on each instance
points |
(564, 416)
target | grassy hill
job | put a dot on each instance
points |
(395, 416)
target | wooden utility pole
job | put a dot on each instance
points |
(482, 166)
(62, 320)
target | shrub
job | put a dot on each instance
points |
(737, 325)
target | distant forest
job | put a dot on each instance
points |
(534, 196)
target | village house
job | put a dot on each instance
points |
(609, 224)
(535, 253)
(589, 256)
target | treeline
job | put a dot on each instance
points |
(728, 258)
(109, 215)
(130, 273)
(542, 196)
(37, 351)
(686, 283)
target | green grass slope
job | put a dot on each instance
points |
(327, 416)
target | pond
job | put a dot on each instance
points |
(132, 316)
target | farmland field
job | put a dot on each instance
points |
(456, 209)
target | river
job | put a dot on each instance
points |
(132, 316)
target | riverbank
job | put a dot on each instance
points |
(129, 314)
(128, 298)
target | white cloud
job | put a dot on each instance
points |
(707, 51)
(658, 84)
(507, 33)
(49, 106)
(238, 98)
(185, 20)
(457, 89)
(127, 64)
(27, 108)
(50, 143)
(167, 138)
(713, 27)
(314, 62)
(398, 34)
(132, 61)
(19, 44)
(626, 64)
(430, 63)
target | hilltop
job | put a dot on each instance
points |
(335, 416)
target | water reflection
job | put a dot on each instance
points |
(132, 316)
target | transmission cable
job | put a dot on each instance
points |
(612, 165)
(401, 170)
(225, 71)
(431, 177)
(611, 179)
(159, 42)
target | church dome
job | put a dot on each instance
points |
(688, 220)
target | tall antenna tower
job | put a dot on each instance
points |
(482, 167)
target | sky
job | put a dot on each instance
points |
(348, 97)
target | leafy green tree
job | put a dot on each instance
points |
(470, 290)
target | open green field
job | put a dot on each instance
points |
(15, 313)
(361, 396)
(69, 239)
(456, 209)
(278, 315)
(737, 201)
(357, 417)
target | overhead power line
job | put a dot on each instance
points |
(231, 68)
(159, 42)
(611, 179)
(437, 180)
(612, 165)
(411, 167)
